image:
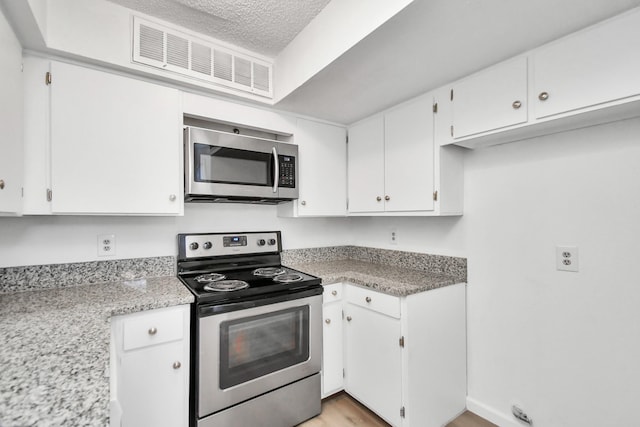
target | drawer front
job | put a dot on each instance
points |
(153, 327)
(332, 293)
(377, 301)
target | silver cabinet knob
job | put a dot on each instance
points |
(334, 293)
(348, 318)
(327, 321)
(379, 198)
(387, 198)
(543, 96)
(368, 299)
(152, 331)
(177, 365)
(1, 184)
(516, 105)
(303, 203)
(172, 197)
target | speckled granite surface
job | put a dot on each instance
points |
(55, 349)
(384, 278)
(397, 273)
(32, 277)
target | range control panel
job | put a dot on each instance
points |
(200, 245)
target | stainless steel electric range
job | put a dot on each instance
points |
(256, 331)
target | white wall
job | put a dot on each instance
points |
(565, 346)
(61, 239)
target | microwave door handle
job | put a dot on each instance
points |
(276, 169)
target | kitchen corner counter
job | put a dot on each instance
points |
(55, 350)
(389, 279)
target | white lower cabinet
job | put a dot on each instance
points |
(332, 340)
(373, 361)
(150, 368)
(404, 357)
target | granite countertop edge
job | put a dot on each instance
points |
(379, 277)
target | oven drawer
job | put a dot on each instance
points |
(150, 328)
(332, 293)
(377, 301)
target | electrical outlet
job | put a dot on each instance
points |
(567, 258)
(393, 236)
(106, 244)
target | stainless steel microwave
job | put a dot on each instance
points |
(229, 167)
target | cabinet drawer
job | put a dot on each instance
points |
(332, 293)
(154, 327)
(377, 301)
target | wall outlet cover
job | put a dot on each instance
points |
(106, 245)
(567, 258)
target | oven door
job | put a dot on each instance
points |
(247, 352)
(225, 165)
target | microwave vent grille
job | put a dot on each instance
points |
(184, 53)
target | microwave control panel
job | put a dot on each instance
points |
(287, 171)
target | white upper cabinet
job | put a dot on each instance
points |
(396, 167)
(492, 99)
(114, 144)
(599, 65)
(11, 151)
(366, 165)
(587, 78)
(322, 153)
(409, 157)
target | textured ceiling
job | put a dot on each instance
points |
(262, 26)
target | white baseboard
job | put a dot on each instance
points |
(491, 414)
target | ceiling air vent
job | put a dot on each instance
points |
(188, 54)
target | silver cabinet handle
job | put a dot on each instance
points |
(368, 299)
(177, 365)
(516, 105)
(387, 198)
(1, 184)
(543, 96)
(172, 197)
(348, 318)
(303, 203)
(334, 293)
(379, 199)
(152, 331)
(276, 170)
(327, 321)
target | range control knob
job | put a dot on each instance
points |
(207, 245)
(261, 242)
(193, 246)
(272, 242)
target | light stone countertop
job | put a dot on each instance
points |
(392, 280)
(54, 352)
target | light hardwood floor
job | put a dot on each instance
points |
(341, 410)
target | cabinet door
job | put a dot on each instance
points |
(366, 165)
(373, 364)
(11, 154)
(588, 68)
(332, 364)
(115, 144)
(409, 163)
(491, 99)
(323, 169)
(153, 390)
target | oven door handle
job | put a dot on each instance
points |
(276, 169)
(258, 301)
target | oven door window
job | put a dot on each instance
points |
(255, 346)
(232, 166)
